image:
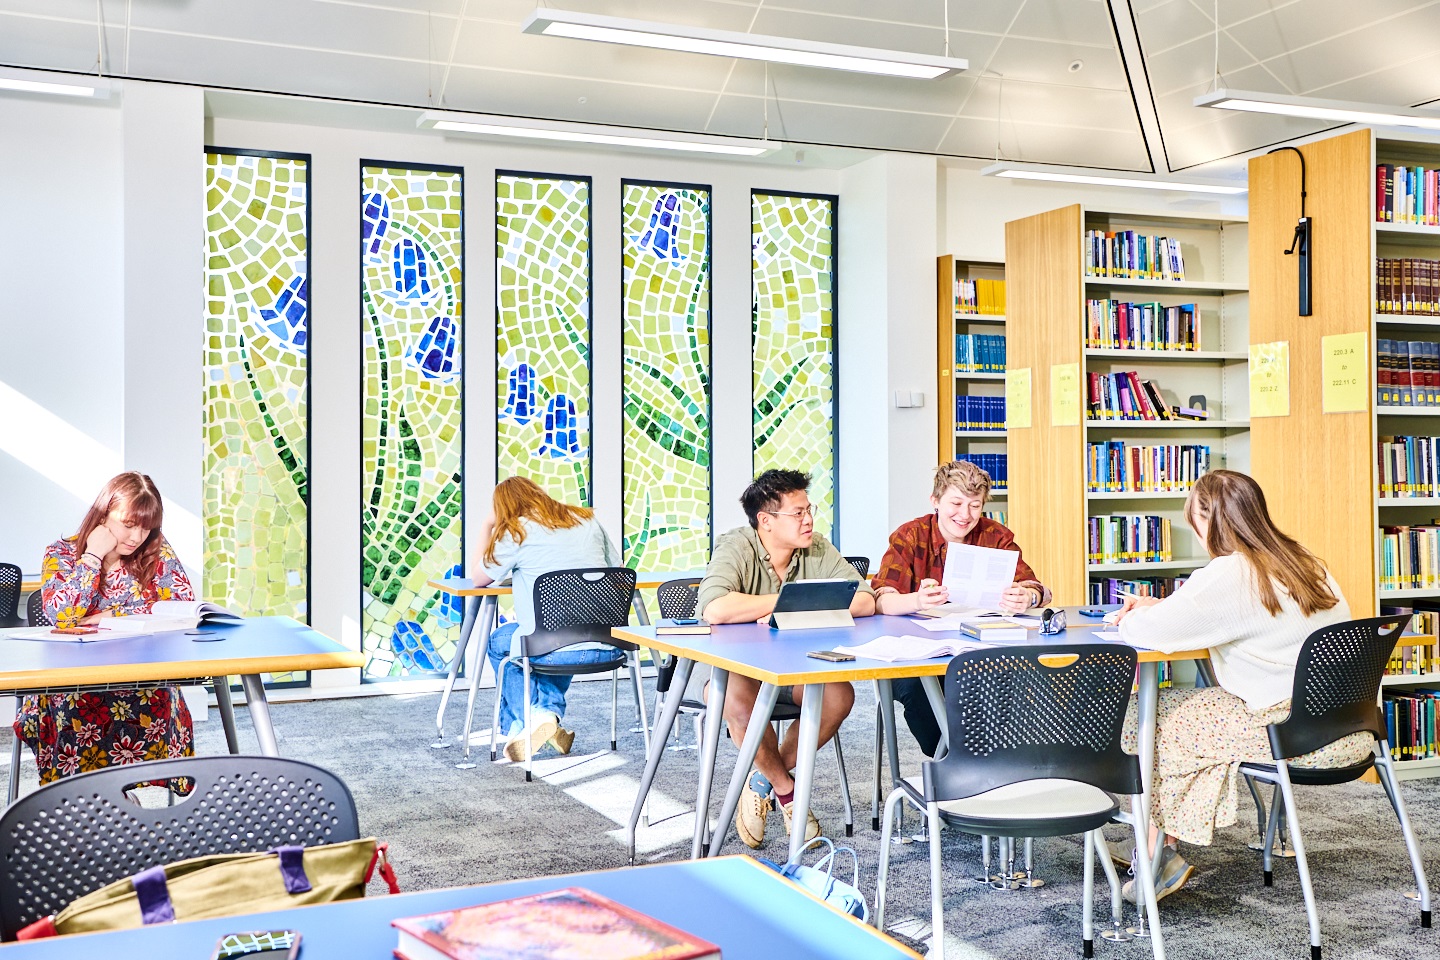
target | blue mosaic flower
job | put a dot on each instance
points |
(434, 352)
(287, 322)
(374, 222)
(413, 648)
(659, 234)
(412, 279)
(520, 395)
(562, 430)
(450, 606)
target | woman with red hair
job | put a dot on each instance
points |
(117, 564)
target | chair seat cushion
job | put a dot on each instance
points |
(1310, 776)
(1034, 808)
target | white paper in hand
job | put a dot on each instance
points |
(976, 576)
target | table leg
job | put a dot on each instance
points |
(472, 607)
(656, 748)
(1147, 696)
(260, 714)
(227, 712)
(714, 721)
(806, 745)
(885, 693)
(935, 693)
(484, 624)
(15, 755)
(754, 733)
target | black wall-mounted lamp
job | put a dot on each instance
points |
(1301, 244)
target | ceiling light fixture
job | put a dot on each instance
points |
(1343, 111)
(26, 81)
(745, 46)
(515, 128)
(1144, 181)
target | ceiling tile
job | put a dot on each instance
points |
(54, 44)
(1049, 62)
(1295, 26)
(837, 87)
(824, 123)
(1074, 21)
(1172, 24)
(983, 15)
(1195, 135)
(1045, 144)
(861, 33)
(1193, 63)
(1359, 52)
(1088, 111)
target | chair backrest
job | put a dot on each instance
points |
(1034, 713)
(676, 598)
(9, 592)
(76, 835)
(861, 565)
(580, 606)
(1337, 685)
(35, 611)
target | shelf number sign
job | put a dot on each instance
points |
(1270, 379)
(1345, 367)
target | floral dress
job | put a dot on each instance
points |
(78, 732)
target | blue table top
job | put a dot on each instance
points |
(742, 907)
(252, 646)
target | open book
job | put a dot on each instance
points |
(892, 649)
(169, 615)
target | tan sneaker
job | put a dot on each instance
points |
(562, 740)
(543, 727)
(812, 826)
(754, 806)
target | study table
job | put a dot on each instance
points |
(482, 606)
(214, 651)
(745, 909)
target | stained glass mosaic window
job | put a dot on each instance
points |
(793, 341)
(412, 433)
(542, 332)
(256, 383)
(665, 237)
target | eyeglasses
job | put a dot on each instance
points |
(799, 515)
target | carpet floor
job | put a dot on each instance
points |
(449, 827)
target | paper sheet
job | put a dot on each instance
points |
(976, 576)
(891, 649)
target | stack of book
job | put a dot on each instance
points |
(984, 297)
(1128, 538)
(994, 464)
(1406, 195)
(1106, 590)
(1407, 467)
(1114, 467)
(1407, 373)
(999, 516)
(980, 413)
(1125, 254)
(1124, 396)
(979, 353)
(1117, 325)
(1410, 557)
(1407, 285)
(1410, 724)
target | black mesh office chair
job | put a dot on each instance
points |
(76, 835)
(676, 600)
(573, 607)
(861, 565)
(1337, 684)
(10, 596)
(1034, 752)
(35, 611)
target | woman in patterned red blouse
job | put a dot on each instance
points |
(117, 564)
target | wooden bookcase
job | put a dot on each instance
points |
(1047, 320)
(950, 321)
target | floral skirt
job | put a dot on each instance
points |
(79, 732)
(1201, 738)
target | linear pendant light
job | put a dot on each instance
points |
(515, 128)
(1143, 181)
(745, 46)
(1343, 111)
(28, 81)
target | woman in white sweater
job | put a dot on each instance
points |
(1252, 606)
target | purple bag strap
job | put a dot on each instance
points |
(292, 869)
(154, 896)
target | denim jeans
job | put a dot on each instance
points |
(546, 692)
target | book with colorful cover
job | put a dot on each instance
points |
(567, 924)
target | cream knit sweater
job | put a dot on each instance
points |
(1253, 653)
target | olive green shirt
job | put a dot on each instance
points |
(740, 564)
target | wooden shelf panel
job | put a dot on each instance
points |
(1138, 356)
(1178, 286)
(1147, 566)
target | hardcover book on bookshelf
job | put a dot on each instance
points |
(562, 925)
(1115, 467)
(1124, 396)
(994, 464)
(1407, 286)
(1406, 467)
(1127, 538)
(980, 296)
(1119, 325)
(1407, 373)
(979, 353)
(1410, 557)
(1406, 194)
(1129, 255)
(980, 413)
(1108, 590)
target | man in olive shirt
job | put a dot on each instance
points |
(741, 583)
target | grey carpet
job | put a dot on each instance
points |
(450, 827)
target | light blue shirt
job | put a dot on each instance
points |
(543, 550)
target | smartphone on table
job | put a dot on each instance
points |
(265, 944)
(831, 655)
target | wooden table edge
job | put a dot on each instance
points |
(177, 670)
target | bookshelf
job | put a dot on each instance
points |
(954, 319)
(1050, 324)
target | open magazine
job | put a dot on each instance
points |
(169, 615)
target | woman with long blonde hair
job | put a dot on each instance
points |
(118, 563)
(1252, 606)
(529, 533)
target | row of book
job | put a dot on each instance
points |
(995, 465)
(1410, 724)
(985, 297)
(980, 413)
(1115, 467)
(1415, 659)
(1410, 557)
(979, 353)
(1124, 396)
(1407, 285)
(1128, 538)
(1406, 195)
(1407, 373)
(1407, 466)
(1125, 254)
(1105, 590)
(999, 516)
(1121, 325)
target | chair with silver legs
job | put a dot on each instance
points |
(574, 607)
(676, 600)
(1034, 752)
(1337, 684)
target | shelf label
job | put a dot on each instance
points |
(1017, 398)
(1345, 367)
(1270, 379)
(1065, 395)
